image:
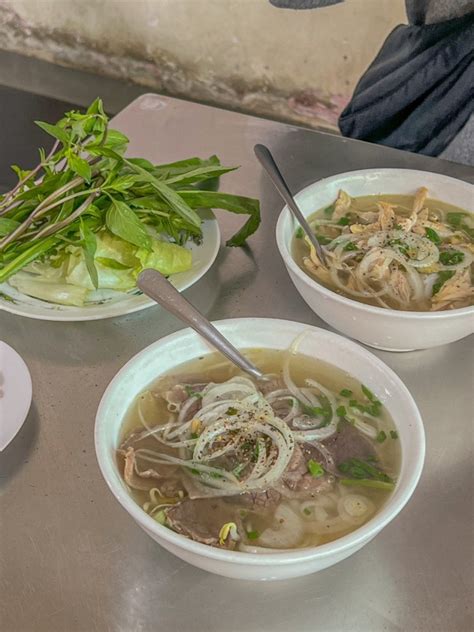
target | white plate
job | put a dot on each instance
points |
(107, 303)
(15, 393)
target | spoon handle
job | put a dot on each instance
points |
(157, 287)
(268, 163)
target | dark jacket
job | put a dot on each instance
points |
(418, 93)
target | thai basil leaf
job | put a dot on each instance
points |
(7, 226)
(79, 166)
(55, 131)
(169, 195)
(228, 202)
(122, 221)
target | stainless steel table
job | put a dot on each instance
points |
(73, 560)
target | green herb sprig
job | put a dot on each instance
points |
(85, 184)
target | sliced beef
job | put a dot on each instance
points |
(314, 450)
(257, 501)
(131, 474)
(172, 487)
(176, 395)
(195, 489)
(296, 468)
(349, 443)
(297, 481)
(202, 519)
(273, 384)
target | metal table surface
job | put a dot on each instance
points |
(73, 560)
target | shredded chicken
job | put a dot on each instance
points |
(400, 286)
(420, 198)
(386, 217)
(407, 223)
(455, 292)
(341, 206)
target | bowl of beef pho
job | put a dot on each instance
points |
(399, 246)
(266, 479)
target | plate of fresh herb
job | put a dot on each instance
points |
(76, 230)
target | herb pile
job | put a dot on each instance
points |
(88, 218)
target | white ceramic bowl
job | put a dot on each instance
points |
(387, 329)
(164, 355)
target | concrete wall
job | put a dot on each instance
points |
(244, 54)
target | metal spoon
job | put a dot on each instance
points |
(268, 163)
(157, 287)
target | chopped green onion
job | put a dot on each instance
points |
(344, 221)
(341, 411)
(375, 409)
(231, 411)
(299, 233)
(432, 235)
(317, 411)
(455, 219)
(443, 276)
(315, 469)
(451, 258)
(368, 393)
(329, 210)
(307, 511)
(323, 240)
(238, 469)
(468, 230)
(367, 482)
(357, 468)
(253, 535)
(194, 435)
(394, 434)
(381, 437)
(190, 392)
(346, 392)
(350, 246)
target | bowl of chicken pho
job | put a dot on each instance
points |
(399, 246)
(266, 479)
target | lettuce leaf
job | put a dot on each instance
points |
(117, 262)
(48, 290)
(165, 257)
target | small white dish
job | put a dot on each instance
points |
(106, 303)
(15, 393)
(388, 329)
(184, 345)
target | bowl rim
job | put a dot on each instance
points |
(285, 253)
(358, 537)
